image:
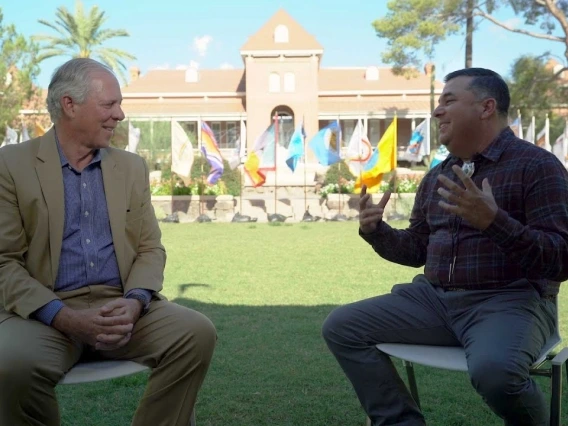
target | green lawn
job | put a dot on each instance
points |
(268, 288)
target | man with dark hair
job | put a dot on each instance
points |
(490, 226)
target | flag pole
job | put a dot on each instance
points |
(305, 172)
(276, 130)
(339, 164)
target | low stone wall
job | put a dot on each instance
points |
(290, 204)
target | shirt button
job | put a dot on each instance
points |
(86, 213)
(92, 264)
(88, 241)
(84, 185)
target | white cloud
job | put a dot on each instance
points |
(201, 44)
(181, 67)
(165, 66)
(226, 66)
(193, 64)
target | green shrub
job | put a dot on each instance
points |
(338, 172)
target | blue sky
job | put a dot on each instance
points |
(170, 33)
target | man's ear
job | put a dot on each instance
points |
(68, 106)
(489, 106)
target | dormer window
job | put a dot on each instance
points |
(281, 34)
(372, 73)
(191, 75)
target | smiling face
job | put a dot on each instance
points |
(460, 114)
(94, 120)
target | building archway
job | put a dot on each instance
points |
(284, 115)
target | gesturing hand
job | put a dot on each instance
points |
(371, 214)
(475, 205)
(118, 312)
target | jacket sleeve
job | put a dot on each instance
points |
(19, 292)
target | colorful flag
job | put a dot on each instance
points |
(133, 138)
(530, 137)
(441, 154)
(296, 147)
(326, 144)
(418, 140)
(383, 160)
(252, 169)
(517, 127)
(39, 130)
(24, 136)
(239, 151)
(359, 150)
(261, 158)
(182, 151)
(560, 148)
(543, 137)
(210, 150)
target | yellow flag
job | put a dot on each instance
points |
(382, 161)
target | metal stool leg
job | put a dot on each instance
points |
(556, 387)
(192, 419)
(412, 381)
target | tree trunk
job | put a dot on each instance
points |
(469, 33)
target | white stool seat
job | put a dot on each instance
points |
(448, 357)
(95, 371)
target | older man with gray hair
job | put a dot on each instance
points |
(81, 263)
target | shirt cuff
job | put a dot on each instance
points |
(48, 311)
(503, 231)
(146, 294)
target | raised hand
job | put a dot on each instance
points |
(475, 205)
(370, 215)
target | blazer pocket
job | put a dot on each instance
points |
(132, 215)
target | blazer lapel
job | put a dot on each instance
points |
(115, 193)
(48, 169)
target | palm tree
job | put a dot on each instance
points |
(81, 35)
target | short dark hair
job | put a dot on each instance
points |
(486, 84)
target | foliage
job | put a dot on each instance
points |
(413, 28)
(232, 179)
(81, 35)
(334, 188)
(338, 172)
(18, 69)
(534, 91)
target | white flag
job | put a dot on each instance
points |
(182, 151)
(359, 150)
(133, 138)
(239, 152)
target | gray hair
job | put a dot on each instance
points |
(71, 79)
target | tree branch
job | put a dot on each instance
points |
(559, 15)
(490, 18)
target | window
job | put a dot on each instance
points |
(191, 75)
(372, 73)
(374, 126)
(232, 134)
(289, 82)
(274, 83)
(216, 127)
(281, 34)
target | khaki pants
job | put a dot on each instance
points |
(177, 343)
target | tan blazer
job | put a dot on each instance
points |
(32, 215)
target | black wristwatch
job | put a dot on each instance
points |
(142, 299)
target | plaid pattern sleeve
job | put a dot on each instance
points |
(528, 239)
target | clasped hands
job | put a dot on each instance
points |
(106, 328)
(477, 206)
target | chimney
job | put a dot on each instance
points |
(134, 73)
(429, 68)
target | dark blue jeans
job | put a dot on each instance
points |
(502, 330)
